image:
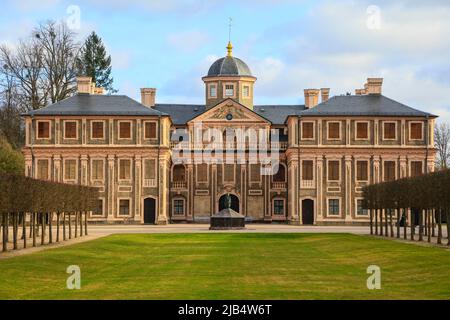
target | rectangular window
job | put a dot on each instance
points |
(333, 207)
(212, 91)
(202, 172)
(229, 90)
(278, 207)
(246, 91)
(124, 207)
(150, 130)
(362, 130)
(97, 170)
(307, 130)
(149, 169)
(416, 131)
(228, 172)
(307, 170)
(70, 169)
(333, 170)
(125, 130)
(389, 170)
(70, 130)
(389, 130)
(178, 207)
(360, 211)
(43, 131)
(255, 172)
(334, 130)
(416, 168)
(124, 169)
(97, 130)
(42, 169)
(361, 171)
(99, 208)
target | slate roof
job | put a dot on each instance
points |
(180, 113)
(229, 66)
(365, 105)
(84, 104)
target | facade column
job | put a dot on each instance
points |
(137, 187)
(319, 185)
(348, 187)
(28, 165)
(84, 169)
(57, 177)
(111, 185)
(163, 191)
(376, 169)
(293, 186)
(191, 191)
(403, 169)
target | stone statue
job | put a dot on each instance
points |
(228, 201)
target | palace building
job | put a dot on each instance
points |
(165, 163)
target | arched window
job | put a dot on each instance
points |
(280, 176)
(178, 173)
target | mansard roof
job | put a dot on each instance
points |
(87, 105)
(364, 105)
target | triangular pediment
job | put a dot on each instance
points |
(229, 111)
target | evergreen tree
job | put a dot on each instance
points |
(95, 63)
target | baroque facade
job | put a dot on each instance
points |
(162, 163)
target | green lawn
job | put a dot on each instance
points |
(230, 266)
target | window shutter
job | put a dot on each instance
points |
(125, 130)
(70, 130)
(361, 130)
(97, 130)
(333, 170)
(150, 169)
(361, 171)
(307, 130)
(334, 130)
(416, 131)
(389, 170)
(228, 172)
(150, 130)
(202, 172)
(255, 173)
(416, 168)
(307, 170)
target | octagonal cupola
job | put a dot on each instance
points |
(229, 77)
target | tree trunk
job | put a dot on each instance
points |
(381, 222)
(429, 225)
(405, 225)
(448, 227)
(15, 229)
(42, 228)
(439, 225)
(386, 223)
(391, 223)
(64, 227)
(85, 223)
(433, 222)
(371, 221)
(58, 214)
(4, 244)
(421, 225)
(34, 228)
(76, 224)
(50, 231)
(413, 224)
(24, 230)
(376, 221)
(70, 226)
(81, 223)
(398, 222)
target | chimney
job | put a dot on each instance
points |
(374, 85)
(325, 93)
(311, 98)
(360, 92)
(148, 97)
(84, 84)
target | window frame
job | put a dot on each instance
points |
(285, 173)
(64, 170)
(250, 172)
(49, 130)
(156, 129)
(328, 170)
(356, 131)
(410, 166)
(183, 200)
(313, 171)
(422, 131)
(339, 214)
(64, 129)
(273, 207)
(384, 166)
(223, 173)
(368, 169)
(243, 91)
(92, 129)
(48, 168)
(155, 167)
(207, 173)
(225, 96)
(328, 131)
(93, 215)
(356, 208)
(103, 169)
(119, 168)
(210, 86)
(395, 131)
(313, 131)
(129, 206)
(118, 129)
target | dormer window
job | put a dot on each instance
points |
(229, 90)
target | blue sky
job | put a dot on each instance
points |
(289, 45)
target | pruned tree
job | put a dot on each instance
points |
(442, 143)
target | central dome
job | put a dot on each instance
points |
(229, 66)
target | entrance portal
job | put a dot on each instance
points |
(308, 211)
(150, 211)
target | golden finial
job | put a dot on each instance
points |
(230, 46)
(230, 49)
